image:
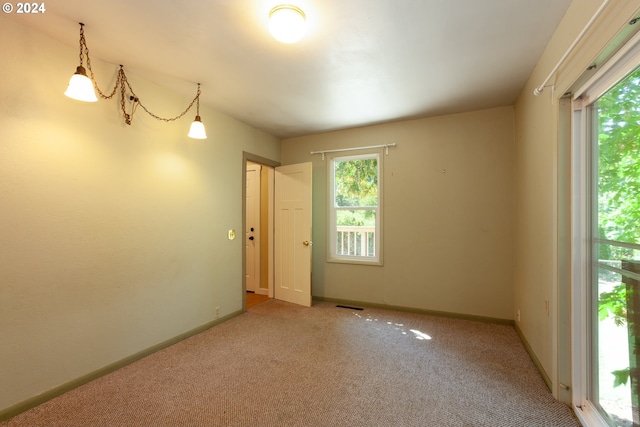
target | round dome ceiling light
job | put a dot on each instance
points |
(287, 23)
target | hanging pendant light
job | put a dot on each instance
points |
(287, 23)
(197, 127)
(80, 85)
(83, 87)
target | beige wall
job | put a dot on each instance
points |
(448, 214)
(113, 237)
(539, 175)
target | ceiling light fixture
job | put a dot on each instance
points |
(287, 23)
(81, 87)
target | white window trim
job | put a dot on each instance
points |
(331, 223)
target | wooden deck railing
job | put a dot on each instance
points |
(356, 241)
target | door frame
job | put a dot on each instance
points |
(254, 158)
(583, 166)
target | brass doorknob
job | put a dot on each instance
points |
(306, 243)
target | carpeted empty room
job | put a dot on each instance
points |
(284, 365)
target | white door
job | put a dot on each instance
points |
(293, 233)
(252, 228)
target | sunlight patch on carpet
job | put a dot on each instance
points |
(420, 335)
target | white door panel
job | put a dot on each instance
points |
(293, 233)
(252, 227)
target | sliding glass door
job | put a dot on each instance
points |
(613, 276)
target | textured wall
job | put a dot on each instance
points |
(113, 237)
(448, 214)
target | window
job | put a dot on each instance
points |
(355, 215)
(615, 248)
(609, 260)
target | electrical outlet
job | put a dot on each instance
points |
(217, 312)
(518, 315)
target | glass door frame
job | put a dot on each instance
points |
(584, 129)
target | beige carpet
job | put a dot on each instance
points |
(284, 365)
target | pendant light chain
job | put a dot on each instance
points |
(123, 82)
(83, 43)
(137, 101)
(198, 103)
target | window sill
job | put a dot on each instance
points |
(355, 261)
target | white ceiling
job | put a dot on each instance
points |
(361, 61)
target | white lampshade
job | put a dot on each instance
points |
(287, 23)
(81, 87)
(197, 129)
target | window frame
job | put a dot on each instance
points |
(332, 256)
(583, 165)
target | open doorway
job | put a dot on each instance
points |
(284, 267)
(257, 223)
